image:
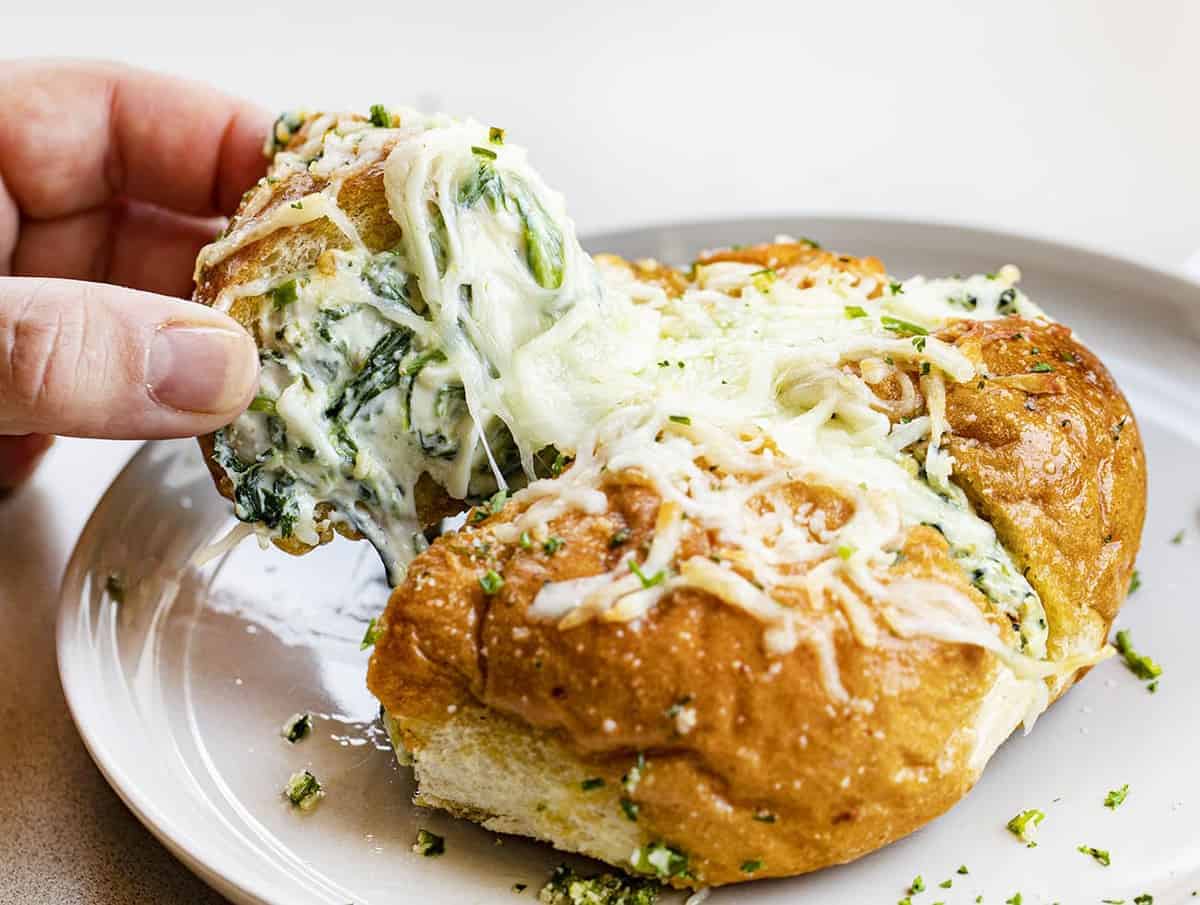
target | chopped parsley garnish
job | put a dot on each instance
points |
(679, 419)
(1041, 368)
(491, 581)
(762, 279)
(298, 205)
(962, 869)
(896, 288)
(647, 581)
(1139, 664)
(896, 325)
(283, 294)
(496, 135)
(592, 782)
(263, 404)
(486, 153)
(660, 860)
(114, 586)
(525, 541)
(1135, 581)
(565, 887)
(553, 545)
(1177, 537)
(1100, 855)
(297, 726)
(1015, 900)
(919, 343)
(751, 867)
(429, 844)
(380, 116)
(1116, 797)
(620, 536)
(917, 885)
(491, 506)
(630, 808)
(1144, 899)
(946, 884)
(371, 635)
(1023, 825)
(926, 367)
(854, 311)
(303, 790)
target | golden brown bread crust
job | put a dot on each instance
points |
(839, 780)
(1041, 456)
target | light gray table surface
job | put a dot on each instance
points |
(65, 836)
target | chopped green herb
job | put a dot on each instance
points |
(553, 545)
(845, 551)
(263, 404)
(525, 541)
(629, 782)
(762, 279)
(593, 782)
(946, 884)
(298, 205)
(917, 885)
(491, 581)
(486, 153)
(565, 887)
(660, 860)
(630, 808)
(1100, 855)
(283, 294)
(1041, 368)
(896, 288)
(380, 116)
(679, 419)
(1135, 581)
(1144, 899)
(751, 867)
(919, 343)
(297, 726)
(370, 636)
(896, 325)
(855, 311)
(647, 582)
(620, 536)
(303, 790)
(1023, 825)
(1177, 537)
(925, 368)
(1139, 664)
(429, 844)
(1116, 797)
(962, 869)
(496, 135)
(1015, 900)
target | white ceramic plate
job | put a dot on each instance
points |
(179, 690)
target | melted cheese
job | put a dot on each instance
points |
(489, 335)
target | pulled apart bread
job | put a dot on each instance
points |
(765, 559)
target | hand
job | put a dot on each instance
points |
(110, 182)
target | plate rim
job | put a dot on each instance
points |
(231, 879)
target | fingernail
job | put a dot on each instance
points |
(200, 369)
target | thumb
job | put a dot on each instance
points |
(92, 360)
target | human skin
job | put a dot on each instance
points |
(111, 180)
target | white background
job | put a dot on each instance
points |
(1071, 120)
